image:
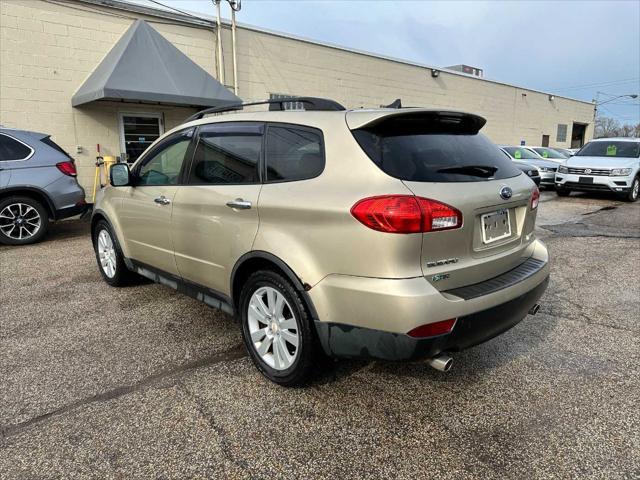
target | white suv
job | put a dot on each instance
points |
(604, 164)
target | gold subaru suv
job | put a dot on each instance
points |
(394, 234)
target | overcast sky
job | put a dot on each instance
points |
(571, 48)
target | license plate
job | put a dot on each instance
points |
(495, 226)
(585, 179)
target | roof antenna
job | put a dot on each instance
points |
(397, 103)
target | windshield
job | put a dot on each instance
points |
(521, 153)
(435, 157)
(610, 149)
(549, 153)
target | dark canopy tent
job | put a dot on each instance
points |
(145, 67)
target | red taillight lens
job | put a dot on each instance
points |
(406, 214)
(68, 168)
(535, 198)
(433, 329)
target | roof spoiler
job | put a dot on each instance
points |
(417, 120)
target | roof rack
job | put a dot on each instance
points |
(310, 104)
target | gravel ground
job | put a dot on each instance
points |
(142, 382)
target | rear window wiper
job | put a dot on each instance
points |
(483, 171)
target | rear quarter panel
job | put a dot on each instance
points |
(309, 226)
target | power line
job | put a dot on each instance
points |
(601, 84)
(102, 12)
(175, 9)
(618, 116)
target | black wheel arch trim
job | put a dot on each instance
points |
(15, 190)
(282, 265)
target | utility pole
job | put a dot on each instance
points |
(219, 40)
(235, 7)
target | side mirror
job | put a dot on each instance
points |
(119, 175)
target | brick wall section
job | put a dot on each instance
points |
(47, 50)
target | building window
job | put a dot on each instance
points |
(287, 105)
(562, 133)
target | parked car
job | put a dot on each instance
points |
(386, 233)
(604, 164)
(549, 154)
(529, 170)
(565, 151)
(547, 168)
(37, 185)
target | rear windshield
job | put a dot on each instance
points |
(435, 157)
(610, 149)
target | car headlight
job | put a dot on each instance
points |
(620, 172)
(531, 173)
(563, 169)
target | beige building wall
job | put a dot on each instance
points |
(47, 50)
(276, 64)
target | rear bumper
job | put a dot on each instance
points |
(347, 341)
(359, 316)
(72, 211)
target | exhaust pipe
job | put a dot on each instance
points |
(441, 362)
(533, 310)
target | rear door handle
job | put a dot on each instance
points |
(239, 204)
(162, 200)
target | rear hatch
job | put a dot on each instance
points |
(442, 156)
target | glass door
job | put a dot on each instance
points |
(137, 132)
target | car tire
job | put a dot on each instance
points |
(110, 260)
(23, 221)
(563, 192)
(634, 191)
(280, 321)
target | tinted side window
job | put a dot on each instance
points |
(293, 153)
(163, 165)
(227, 154)
(11, 149)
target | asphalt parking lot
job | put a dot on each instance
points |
(143, 382)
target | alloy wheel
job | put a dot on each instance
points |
(20, 221)
(107, 254)
(635, 189)
(273, 328)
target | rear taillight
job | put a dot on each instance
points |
(406, 214)
(535, 198)
(68, 168)
(433, 329)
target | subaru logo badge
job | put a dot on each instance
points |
(506, 193)
(587, 171)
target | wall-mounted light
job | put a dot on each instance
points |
(524, 94)
(551, 98)
(435, 72)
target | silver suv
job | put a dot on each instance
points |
(389, 233)
(37, 184)
(604, 165)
